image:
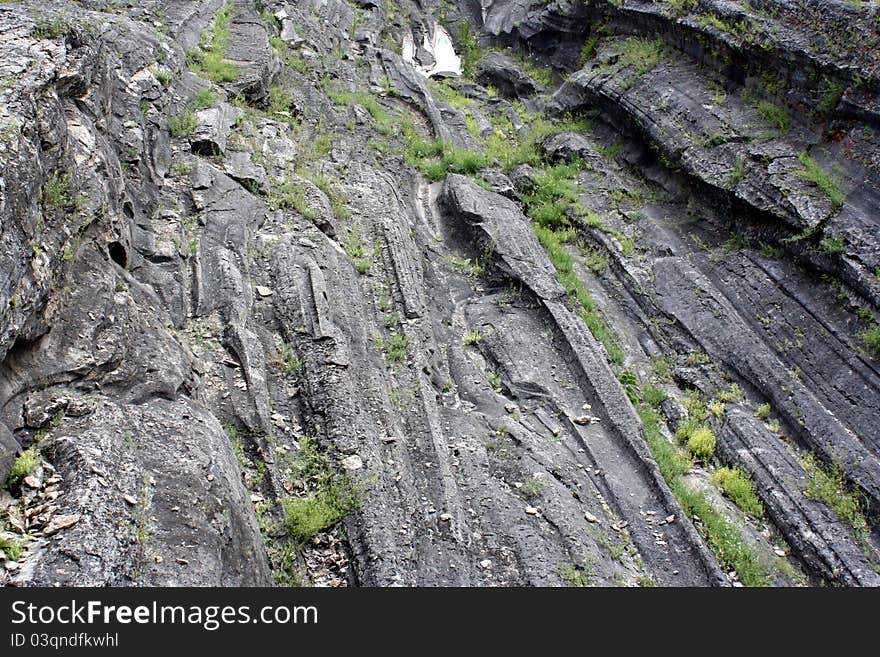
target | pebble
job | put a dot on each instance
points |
(670, 519)
(32, 482)
(532, 511)
(590, 517)
(485, 563)
(210, 477)
(353, 462)
(389, 439)
(131, 500)
(779, 552)
(11, 566)
(445, 517)
(264, 291)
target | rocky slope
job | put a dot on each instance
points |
(279, 308)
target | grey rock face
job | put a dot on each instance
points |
(494, 336)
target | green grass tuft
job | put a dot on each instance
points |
(738, 486)
(26, 464)
(813, 173)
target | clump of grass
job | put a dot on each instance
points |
(671, 460)
(472, 268)
(554, 244)
(574, 575)
(329, 494)
(813, 173)
(763, 411)
(738, 486)
(56, 192)
(396, 349)
(832, 245)
(733, 394)
(724, 538)
(208, 60)
(182, 124)
(26, 464)
(701, 442)
(290, 362)
(164, 76)
(49, 28)
(871, 339)
(472, 338)
(831, 97)
(12, 547)
(291, 195)
(639, 55)
(775, 115)
(203, 99)
(532, 488)
(716, 407)
(827, 485)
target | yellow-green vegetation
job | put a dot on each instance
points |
(354, 247)
(56, 192)
(775, 115)
(763, 411)
(395, 349)
(386, 124)
(871, 339)
(290, 362)
(716, 407)
(12, 547)
(828, 183)
(826, 484)
(701, 442)
(26, 464)
(732, 395)
(738, 486)
(531, 488)
(554, 243)
(182, 124)
(208, 59)
(724, 538)
(574, 575)
(329, 494)
(472, 338)
(639, 55)
(290, 195)
(49, 28)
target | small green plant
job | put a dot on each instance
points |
(12, 547)
(396, 349)
(290, 362)
(203, 99)
(736, 173)
(763, 411)
(329, 495)
(738, 486)
(813, 173)
(871, 339)
(208, 59)
(164, 76)
(574, 575)
(182, 124)
(472, 338)
(832, 245)
(698, 359)
(826, 484)
(775, 115)
(49, 28)
(774, 425)
(701, 442)
(732, 395)
(26, 464)
(716, 407)
(532, 488)
(494, 379)
(831, 98)
(56, 192)
(179, 169)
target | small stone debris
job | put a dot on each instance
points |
(445, 517)
(158, 559)
(256, 497)
(511, 408)
(210, 477)
(589, 517)
(485, 563)
(182, 561)
(532, 511)
(389, 439)
(264, 291)
(779, 552)
(11, 566)
(353, 462)
(32, 482)
(587, 407)
(670, 519)
(131, 500)
(61, 522)
(586, 419)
